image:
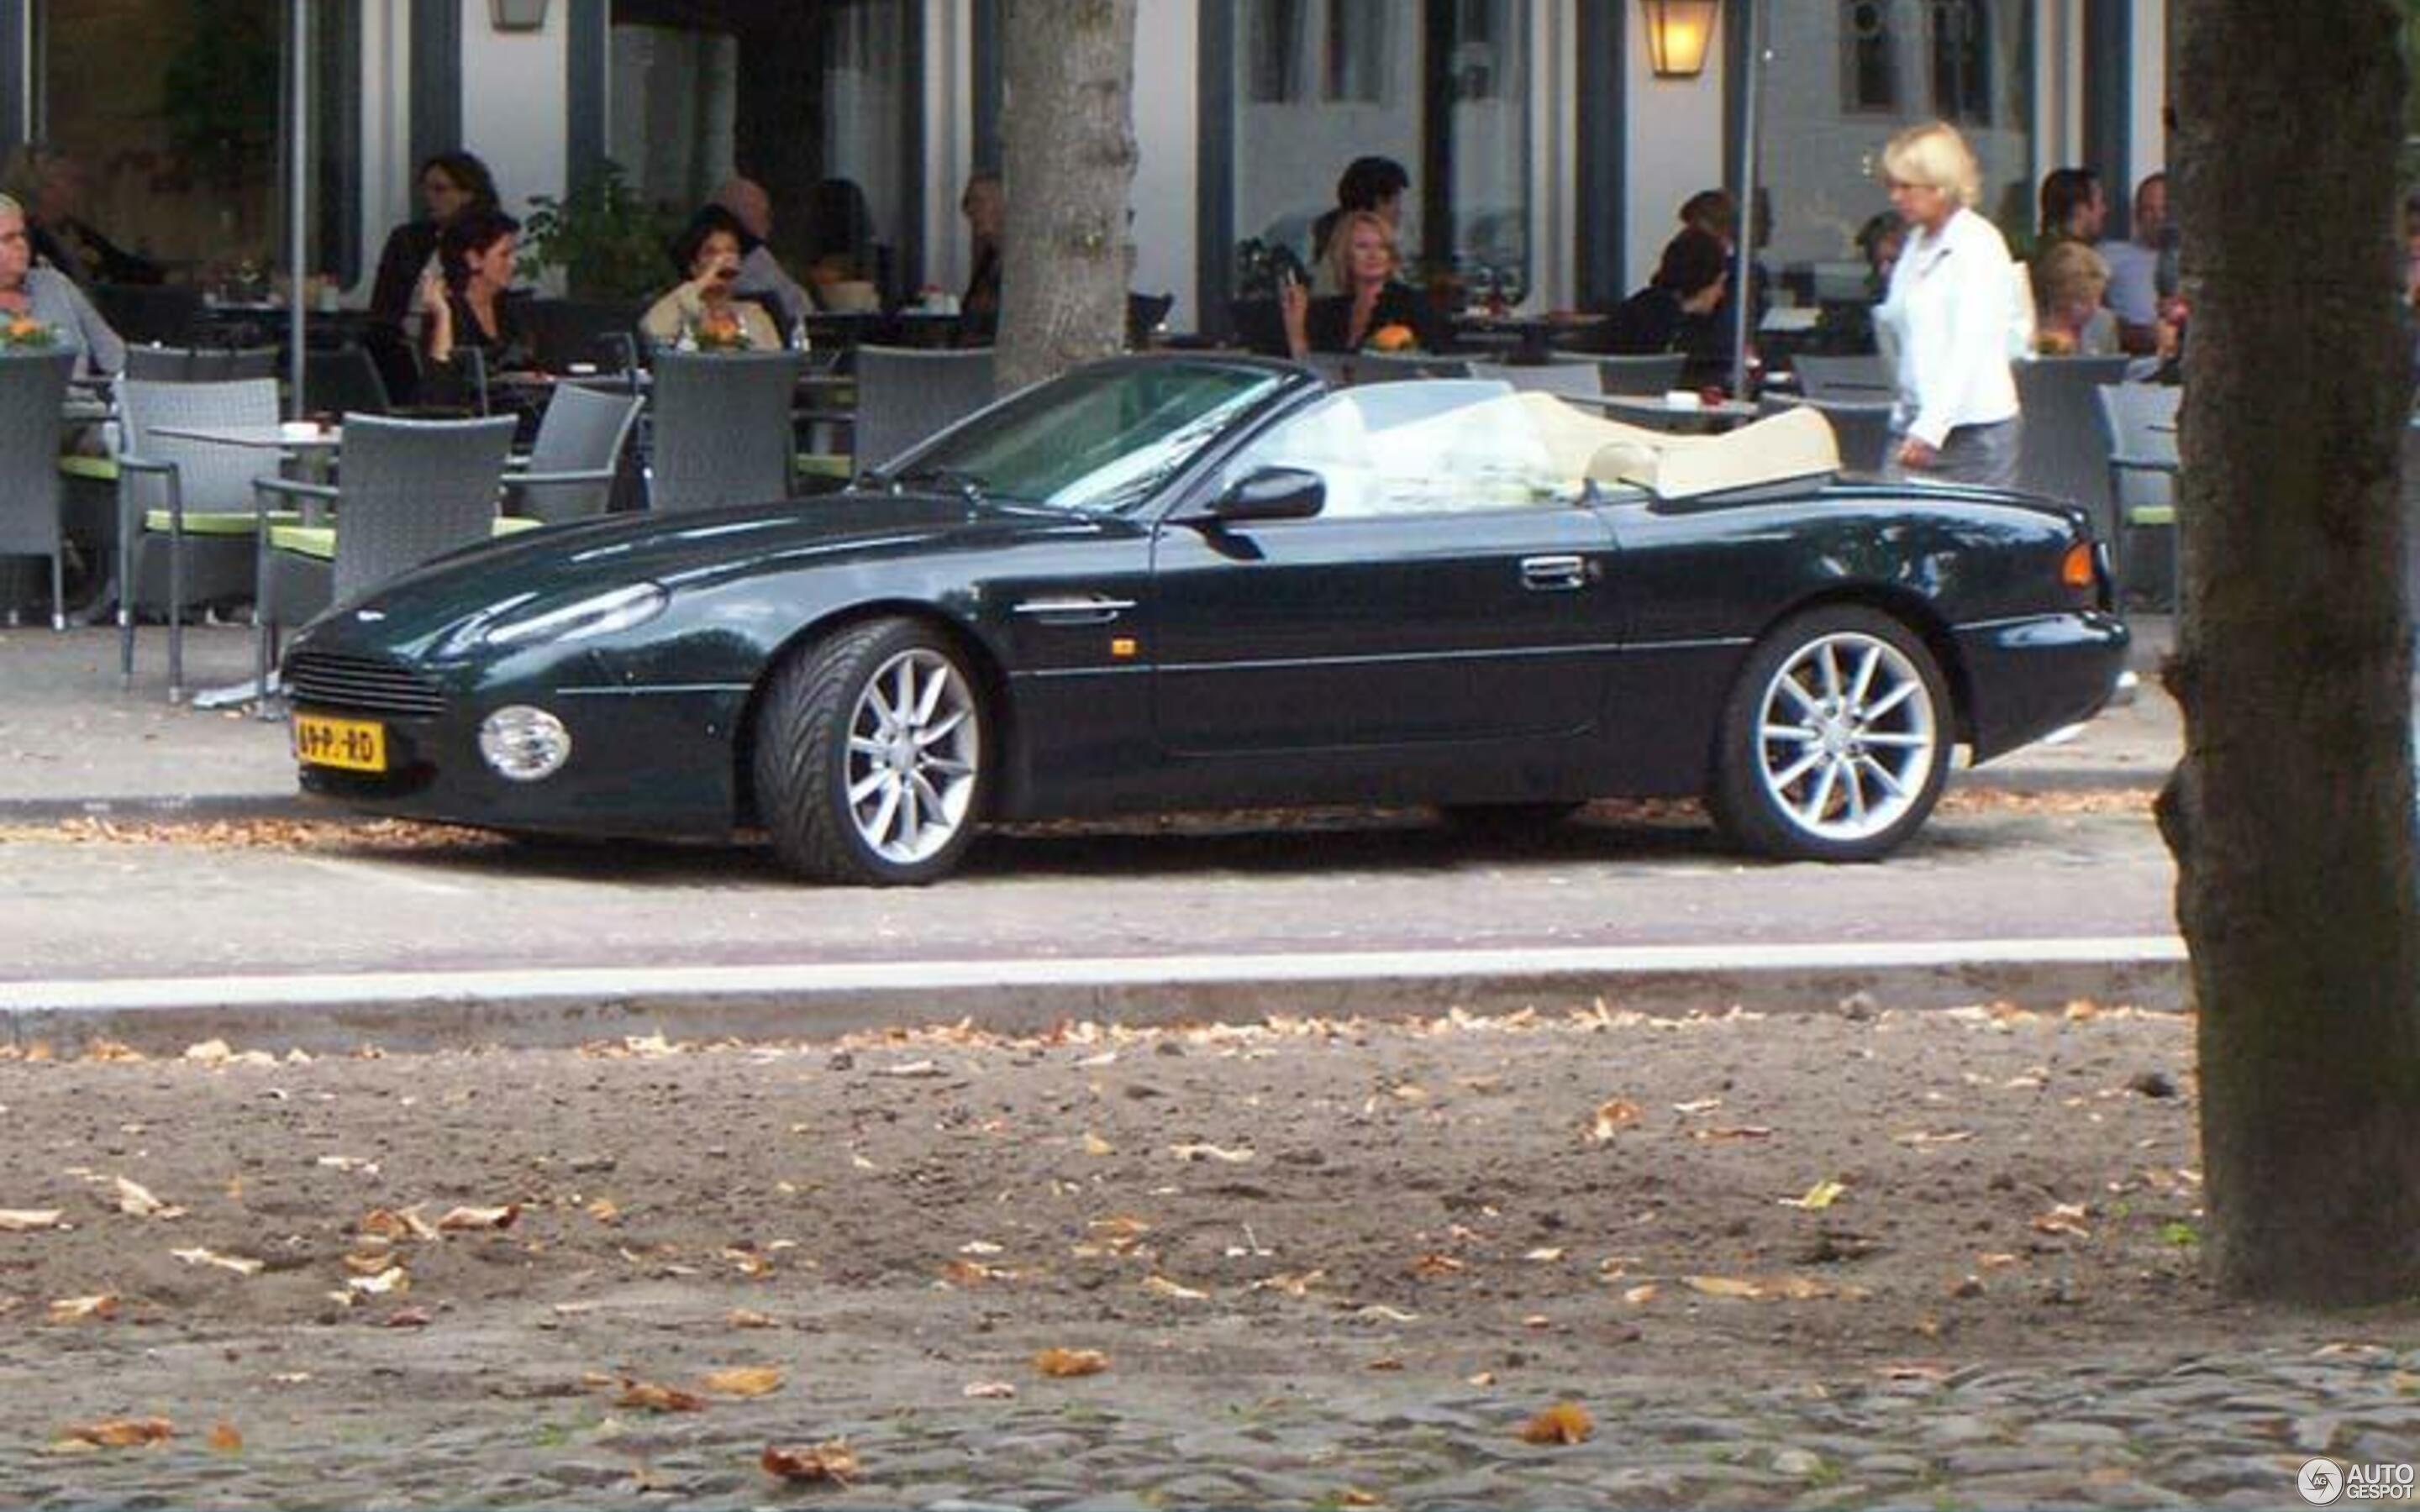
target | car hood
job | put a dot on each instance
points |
(686, 553)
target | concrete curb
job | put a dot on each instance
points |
(407, 1011)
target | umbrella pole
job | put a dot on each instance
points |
(298, 197)
(1744, 226)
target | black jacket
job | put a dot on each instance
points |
(1329, 320)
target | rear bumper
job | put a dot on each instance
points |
(2026, 678)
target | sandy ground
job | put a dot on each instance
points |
(315, 1270)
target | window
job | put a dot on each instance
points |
(1868, 59)
(1356, 58)
(1274, 45)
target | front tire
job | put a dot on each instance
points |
(870, 758)
(1836, 740)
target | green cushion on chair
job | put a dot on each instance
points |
(99, 469)
(305, 540)
(514, 524)
(216, 521)
(827, 465)
(2152, 515)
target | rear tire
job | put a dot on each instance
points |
(1836, 740)
(869, 760)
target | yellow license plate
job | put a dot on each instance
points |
(355, 745)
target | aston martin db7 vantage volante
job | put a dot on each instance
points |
(1195, 582)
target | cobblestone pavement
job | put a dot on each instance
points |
(2150, 1430)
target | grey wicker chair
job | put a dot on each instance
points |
(904, 395)
(33, 391)
(1645, 373)
(200, 365)
(2063, 451)
(1567, 379)
(721, 428)
(343, 381)
(185, 505)
(1863, 378)
(411, 490)
(572, 464)
(2140, 422)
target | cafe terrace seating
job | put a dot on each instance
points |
(569, 471)
(187, 502)
(340, 380)
(1641, 373)
(2063, 451)
(2139, 420)
(33, 394)
(411, 490)
(200, 365)
(905, 394)
(1863, 378)
(721, 431)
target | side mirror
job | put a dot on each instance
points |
(1272, 493)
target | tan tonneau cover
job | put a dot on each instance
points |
(1796, 443)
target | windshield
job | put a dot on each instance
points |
(1100, 440)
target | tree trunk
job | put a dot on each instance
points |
(2291, 814)
(1068, 144)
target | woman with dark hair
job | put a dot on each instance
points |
(450, 184)
(463, 302)
(705, 306)
(1674, 313)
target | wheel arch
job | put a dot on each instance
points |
(1918, 616)
(991, 680)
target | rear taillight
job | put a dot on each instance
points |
(2076, 569)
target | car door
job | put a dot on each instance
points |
(1418, 609)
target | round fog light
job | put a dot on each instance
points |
(524, 744)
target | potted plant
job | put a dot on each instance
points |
(607, 240)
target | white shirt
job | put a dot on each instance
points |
(1955, 318)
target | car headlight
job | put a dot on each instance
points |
(524, 744)
(617, 609)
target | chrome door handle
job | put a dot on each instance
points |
(1074, 608)
(1554, 575)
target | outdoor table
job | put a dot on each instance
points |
(1526, 339)
(1660, 413)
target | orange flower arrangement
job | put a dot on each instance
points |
(23, 333)
(1397, 337)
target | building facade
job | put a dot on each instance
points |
(1547, 160)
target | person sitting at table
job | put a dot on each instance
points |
(48, 298)
(705, 307)
(761, 273)
(1374, 184)
(1362, 256)
(1675, 312)
(2072, 321)
(48, 184)
(849, 270)
(464, 305)
(450, 184)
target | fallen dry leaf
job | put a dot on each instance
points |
(120, 1432)
(1721, 1286)
(136, 1201)
(1925, 1137)
(1354, 1496)
(2065, 1218)
(989, 1390)
(393, 1281)
(1612, 1118)
(745, 1380)
(369, 1262)
(1731, 1132)
(834, 1461)
(209, 1052)
(1642, 1294)
(1564, 1423)
(603, 1210)
(462, 1218)
(383, 1223)
(747, 1318)
(1160, 1285)
(236, 1263)
(1433, 1266)
(1228, 1157)
(1817, 1197)
(1119, 1232)
(1545, 1256)
(1695, 1106)
(29, 1220)
(1095, 1145)
(75, 1310)
(658, 1398)
(1062, 1363)
(910, 1069)
(226, 1439)
(1294, 1283)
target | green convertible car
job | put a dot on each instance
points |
(1204, 581)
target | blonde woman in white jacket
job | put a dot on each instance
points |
(1952, 315)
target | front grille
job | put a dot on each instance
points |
(372, 684)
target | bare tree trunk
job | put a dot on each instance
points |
(2291, 815)
(1067, 137)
